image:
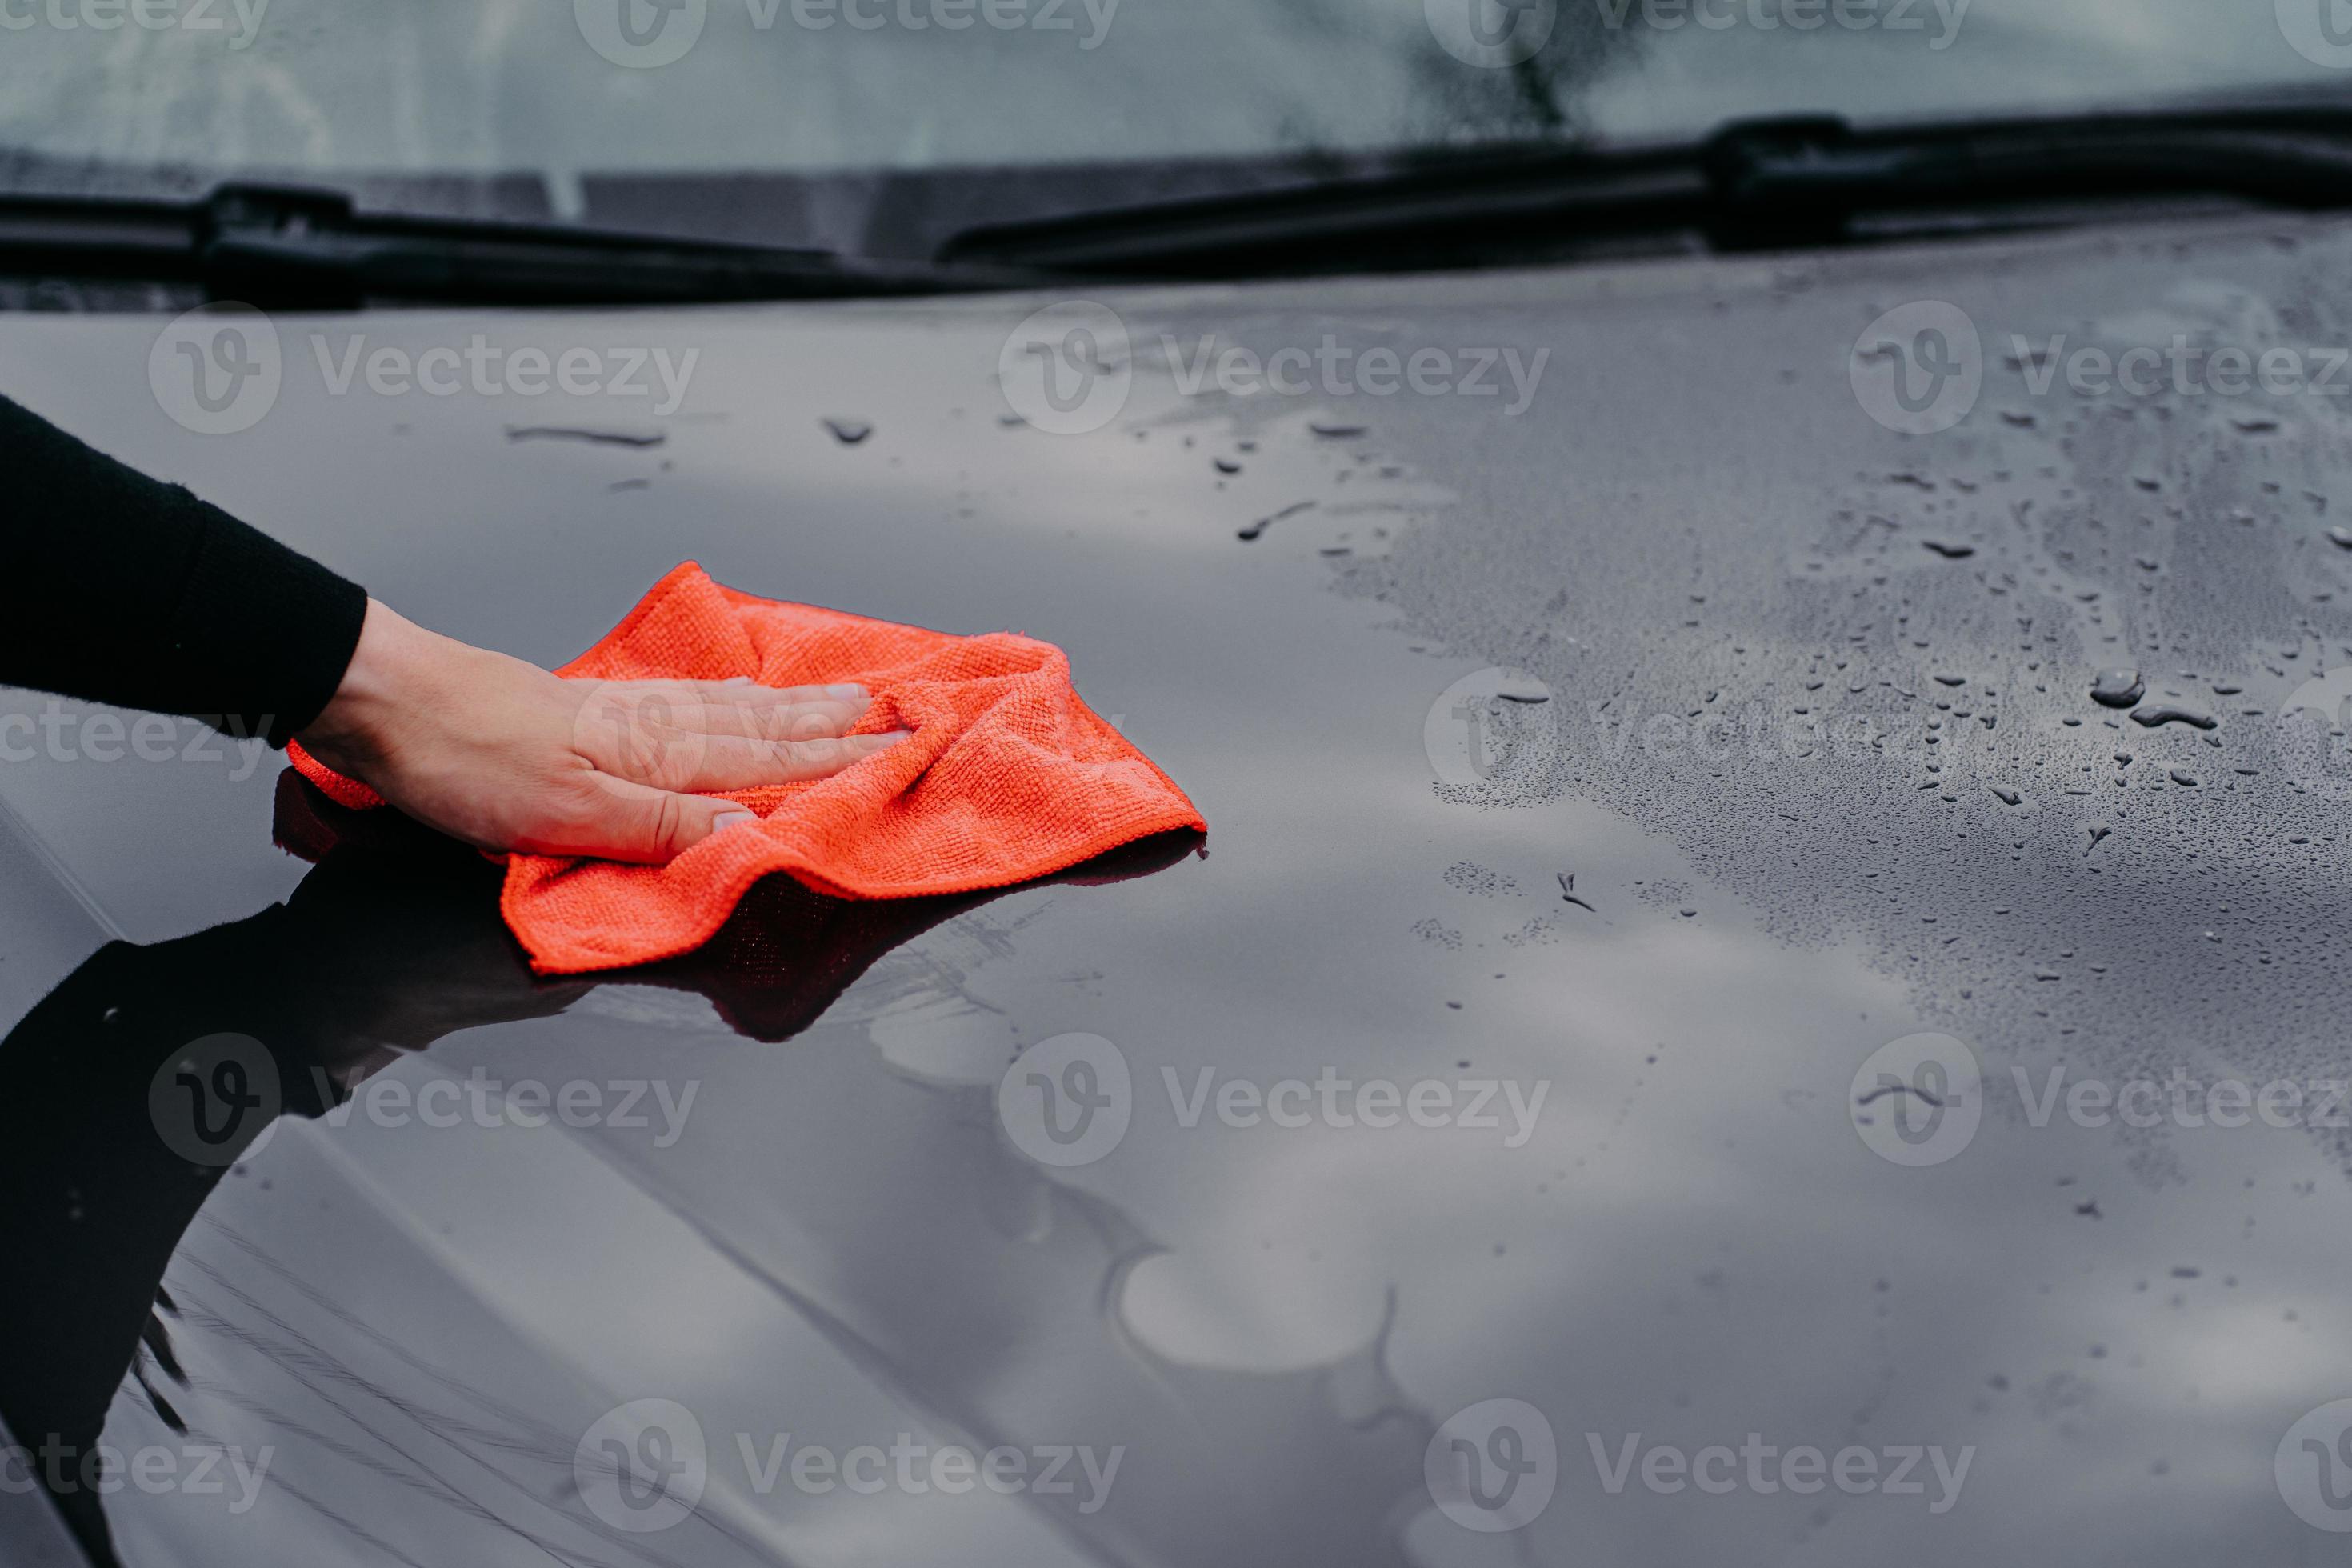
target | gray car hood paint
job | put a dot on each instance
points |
(1693, 514)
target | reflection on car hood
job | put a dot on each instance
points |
(1673, 744)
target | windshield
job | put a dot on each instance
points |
(874, 125)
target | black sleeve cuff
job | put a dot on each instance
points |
(136, 594)
(267, 623)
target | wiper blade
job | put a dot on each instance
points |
(1805, 180)
(295, 249)
(1809, 181)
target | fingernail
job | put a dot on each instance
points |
(889, 738)
(727, 819)
(737, 680)
(851, 690)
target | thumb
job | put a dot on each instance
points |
(638, 823)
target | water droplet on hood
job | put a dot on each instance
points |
(2160, 714)
(2117, 688)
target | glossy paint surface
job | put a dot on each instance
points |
(840, 1236)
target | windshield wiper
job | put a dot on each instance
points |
(1757, 185)
(291, 247)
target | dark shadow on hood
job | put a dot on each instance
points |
(134, 1086)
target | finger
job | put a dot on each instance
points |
(722, 762)
(778, 721)
(659, 735)
(619, 819)
(744, 692)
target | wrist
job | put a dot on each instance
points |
(384, 666)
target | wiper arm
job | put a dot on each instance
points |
(1808, 182)
(1754, 184)
(294, 248)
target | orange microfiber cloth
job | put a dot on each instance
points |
(1007, 776)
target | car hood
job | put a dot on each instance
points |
(1450, 712)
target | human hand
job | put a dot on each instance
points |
(504, 755)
